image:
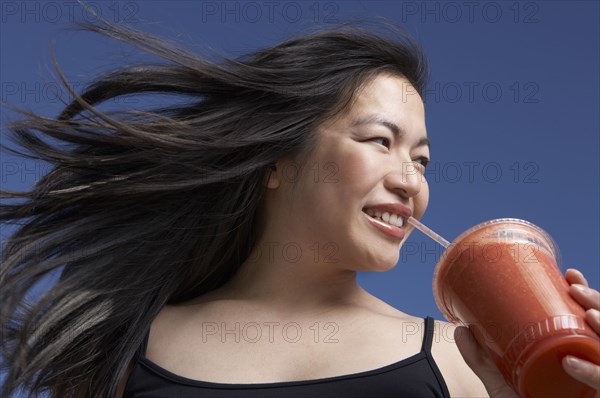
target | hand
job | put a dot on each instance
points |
(584, 371)
(482, 365)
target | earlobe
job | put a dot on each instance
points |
(272, 178)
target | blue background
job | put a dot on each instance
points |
(512, 105)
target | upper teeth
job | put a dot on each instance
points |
(390, 218)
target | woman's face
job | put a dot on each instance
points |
(368, 160)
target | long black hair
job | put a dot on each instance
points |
(143, 208)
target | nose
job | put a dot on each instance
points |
(405, 179)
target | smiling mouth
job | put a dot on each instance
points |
(392, 219)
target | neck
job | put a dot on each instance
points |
(294, 277)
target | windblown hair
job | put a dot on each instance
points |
(144, 208)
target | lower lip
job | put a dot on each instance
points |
(390, 230)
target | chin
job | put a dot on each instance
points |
(403, 241)
(382, 266)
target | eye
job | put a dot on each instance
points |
(383, 140)
(423, 161)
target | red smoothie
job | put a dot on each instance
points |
(501, 279)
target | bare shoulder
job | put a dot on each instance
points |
(167, 330)
(460, 379)
(158, 327)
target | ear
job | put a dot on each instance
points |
(272, 178)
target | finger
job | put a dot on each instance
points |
(481, 364)
(469, 348)
(584, 371)
(585, 296)
(592, 316)
(575, 276)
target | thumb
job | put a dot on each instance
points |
(481, 363)
(470, 350)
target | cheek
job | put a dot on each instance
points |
(343, 168)
(422, 199)
(357, 169)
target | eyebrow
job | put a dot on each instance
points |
(394, 128)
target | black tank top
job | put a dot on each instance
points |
(415, 376)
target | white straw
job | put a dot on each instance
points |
(427, 231)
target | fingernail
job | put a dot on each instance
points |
(594, 313)
(580, 274)
(574, 363)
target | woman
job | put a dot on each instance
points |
(210, 248)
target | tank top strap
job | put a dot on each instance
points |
(428, 335)
(144, 346)
(427, 343)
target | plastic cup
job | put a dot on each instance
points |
(502, 279)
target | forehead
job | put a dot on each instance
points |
(392, 96)
(387, 97)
